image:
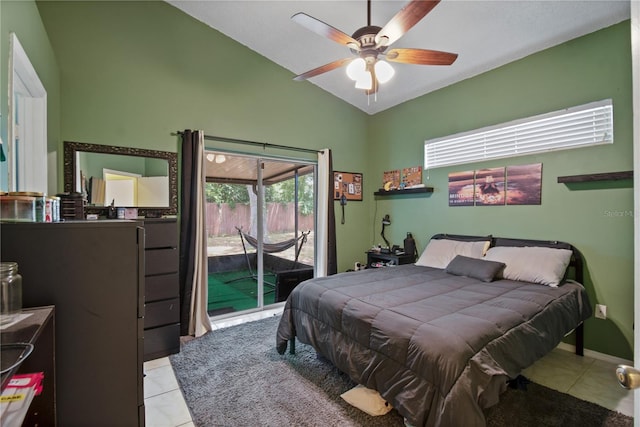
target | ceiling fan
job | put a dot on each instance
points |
(370, 44)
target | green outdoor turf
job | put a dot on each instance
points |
(239, 295)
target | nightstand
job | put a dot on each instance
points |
(374, 257)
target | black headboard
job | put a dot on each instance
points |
(576, 259)
(463, 238)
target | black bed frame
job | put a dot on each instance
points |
(576, 264)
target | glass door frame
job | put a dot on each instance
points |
(260, 225)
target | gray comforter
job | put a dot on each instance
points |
(438, 347)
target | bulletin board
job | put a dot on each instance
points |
(347, 183)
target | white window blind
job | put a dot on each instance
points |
(584, 125)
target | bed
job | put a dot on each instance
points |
(440, 339)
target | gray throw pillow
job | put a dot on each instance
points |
(474, 267)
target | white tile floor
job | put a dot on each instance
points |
(587, 378)
(163, 401)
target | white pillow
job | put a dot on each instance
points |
(440, 252)
(545, 266)
(366, 400)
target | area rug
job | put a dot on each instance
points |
(235, 377)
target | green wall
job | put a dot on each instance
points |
(597, 219)
(23, 19)
(134, 72)
(131, 73)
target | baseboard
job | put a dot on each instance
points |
(596, 355)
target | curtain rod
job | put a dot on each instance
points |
(260, 144)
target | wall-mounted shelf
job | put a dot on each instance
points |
(418, 190)
(594, 177)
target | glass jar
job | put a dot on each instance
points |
(10, 291)
(39, 202)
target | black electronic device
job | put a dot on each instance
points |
(410, 245)
(111, 210)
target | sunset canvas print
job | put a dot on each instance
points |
(490, 187)
(524, 184)
(461, 188)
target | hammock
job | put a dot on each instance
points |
(270, 248)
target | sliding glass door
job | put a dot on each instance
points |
(260, 229)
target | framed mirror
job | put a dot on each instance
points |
(130, 177)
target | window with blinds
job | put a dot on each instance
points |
(581, 126)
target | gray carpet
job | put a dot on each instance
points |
(235, 377)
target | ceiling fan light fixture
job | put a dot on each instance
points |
(384, 71)
(370, 42)
(357, 69)
(218, 158)
(365, 81)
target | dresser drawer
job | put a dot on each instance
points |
(161, 342)
(160, 261)
(160, 234)
(164, 286)
(161, 313)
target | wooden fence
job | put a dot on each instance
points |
(222, 218)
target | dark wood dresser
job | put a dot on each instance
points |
(92, 272)
(162, 298)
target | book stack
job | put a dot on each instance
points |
(17, 396)
(97, 191)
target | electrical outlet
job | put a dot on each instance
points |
(601, 311)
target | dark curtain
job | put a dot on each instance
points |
(332, 256)
(188, 206)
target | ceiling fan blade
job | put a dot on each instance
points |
(421, 56)
(323, 69)
(325, 30)
(404, 20)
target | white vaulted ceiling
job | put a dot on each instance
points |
(485, 35)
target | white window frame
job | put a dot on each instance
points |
(576, 127)
(27, 123)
